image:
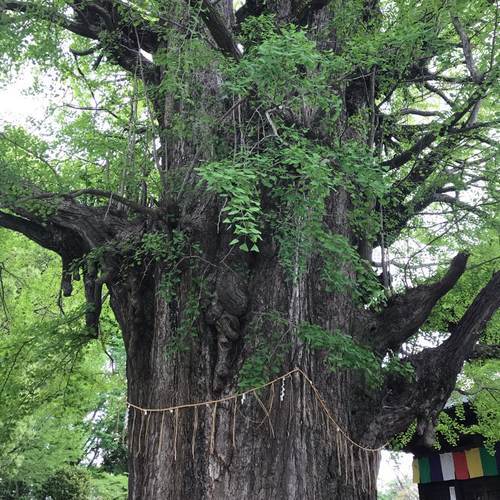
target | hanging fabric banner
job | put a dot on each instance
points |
(476, 462)
(461, 470)
(447, 466)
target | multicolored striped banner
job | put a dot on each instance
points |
(476, 462)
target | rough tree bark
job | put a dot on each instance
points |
(266, 446)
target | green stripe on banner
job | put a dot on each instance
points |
(425, 470)
(489, 463)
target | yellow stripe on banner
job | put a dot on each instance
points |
(416, 471)
(474, 465)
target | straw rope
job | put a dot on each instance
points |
(231, 397)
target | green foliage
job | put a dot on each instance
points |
(342, 352)
(155, 246)
(479, 380)
(71, 483)
(237, 184)
(285, 69)
(51, 377)
(401, 440)
(257, 29)
(187, 329)
(483, 262)
(278, 171)
(15, 490)
(264, 361)
(449, 428)
(105, 486)
(400, 369)
(484, 400)
(479, 386)
(298, 175)
(362, 176)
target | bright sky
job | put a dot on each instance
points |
(392, 466)
(16, 107)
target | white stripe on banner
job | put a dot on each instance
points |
(452, 493)
(447, 466)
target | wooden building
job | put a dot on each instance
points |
(464, 471)
(465, 474)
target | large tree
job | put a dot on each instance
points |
(226, 173)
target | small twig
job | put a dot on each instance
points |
(92, 108)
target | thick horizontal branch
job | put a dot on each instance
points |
(96, 23)
(48, 14)
(32, 230)
(98, 193)
(436, 371)
(406, 313)
(66, 221)
(65, 243)
(485, 351)
(72, 230)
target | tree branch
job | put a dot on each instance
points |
(427, 139)
(436, 371)
(485, 351)
(413, 187)
(72, 230)
(124, 49)
(217, 28)
(466, 46)
(466, 333)
(420, 112)
(32, 230)
(47, 14)
(439, 92)
(99, 193)
(406, 313)
(450, 200)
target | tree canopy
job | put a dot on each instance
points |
(345, 151)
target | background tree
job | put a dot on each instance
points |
(226, 177)
(61, 404)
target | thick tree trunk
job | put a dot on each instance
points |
(190, 319)
(292, 453)
(262, 447)
(279, 442)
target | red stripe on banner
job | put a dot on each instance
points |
(461, 470)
